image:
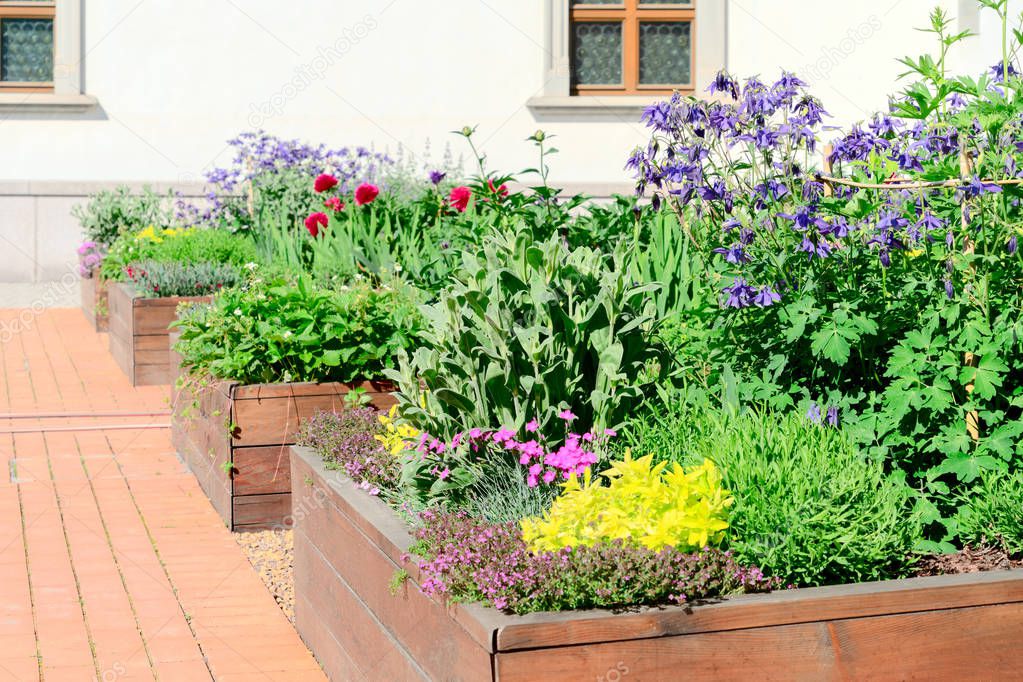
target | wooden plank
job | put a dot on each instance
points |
(265, 511)
(262, 470)
(788, 652)
(150, 375)
(778, 608)
(423, 626)
(120, 349)
(977, 643)
(276, 421)
(333, 615)
(262, 391)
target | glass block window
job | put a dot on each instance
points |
(665, 52)
(632, 47)
(26, 45)
(597, 53)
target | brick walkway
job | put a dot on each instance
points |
(113, 565)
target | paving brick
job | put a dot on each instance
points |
(121, 542)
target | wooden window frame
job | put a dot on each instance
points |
(630, 14)
(13, 9)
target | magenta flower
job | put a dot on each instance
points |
(532, 426)
(566, 415)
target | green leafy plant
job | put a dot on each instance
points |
(284, 328)
(992, 512)
(809, 508)
(153, 279)
(526, 328)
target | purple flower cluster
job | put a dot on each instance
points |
(743, 161)
(90, 255)
(346, 440)
(468, 560)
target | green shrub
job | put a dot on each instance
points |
(527, 328)
(109, 213)
(278, 329)
(206, 246)
(153, 279)
(808, 507)
(992, 512)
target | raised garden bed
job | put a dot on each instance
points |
(234, 437)
(139, 333)
(348, 544)
(94, 300)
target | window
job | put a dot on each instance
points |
(631, 47)
(27, 46)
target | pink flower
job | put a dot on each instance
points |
(475, 433)
(610, 433)
(366, 194)
(566, 415)
(444, 474)
(324, 182)
(459, 198)
(314, 222)
(334, 203)
(532, 426)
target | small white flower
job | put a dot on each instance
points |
(287, 334)
(251, 266)
(397, 267)
(238, 312)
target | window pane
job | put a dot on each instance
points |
(597, 53)
(665, 2)
(26, 50)
(576, 3)
(664, 53)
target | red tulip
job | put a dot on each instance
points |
(459, 198)
(325, 182)
(366, 194)
(314, 222)
(500, 191)
(334, 203)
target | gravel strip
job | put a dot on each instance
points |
(271, 553)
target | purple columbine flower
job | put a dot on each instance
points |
(998, 71)
(658, 116)
(814, 413)
(1011, 246)
(740, 294)
(766, 297)
(976, 187)
(734, 254)
(437, 176)
(724, 83)
(832, 416)
(950, 290)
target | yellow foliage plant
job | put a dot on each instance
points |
(643, 503)
(396, 437)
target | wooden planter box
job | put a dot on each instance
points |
(94, 300)
(235, 438)
(139, 333)
(348, 545)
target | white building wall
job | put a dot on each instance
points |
(176, 79)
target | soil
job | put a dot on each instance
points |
(968, 560)
(271, 553)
